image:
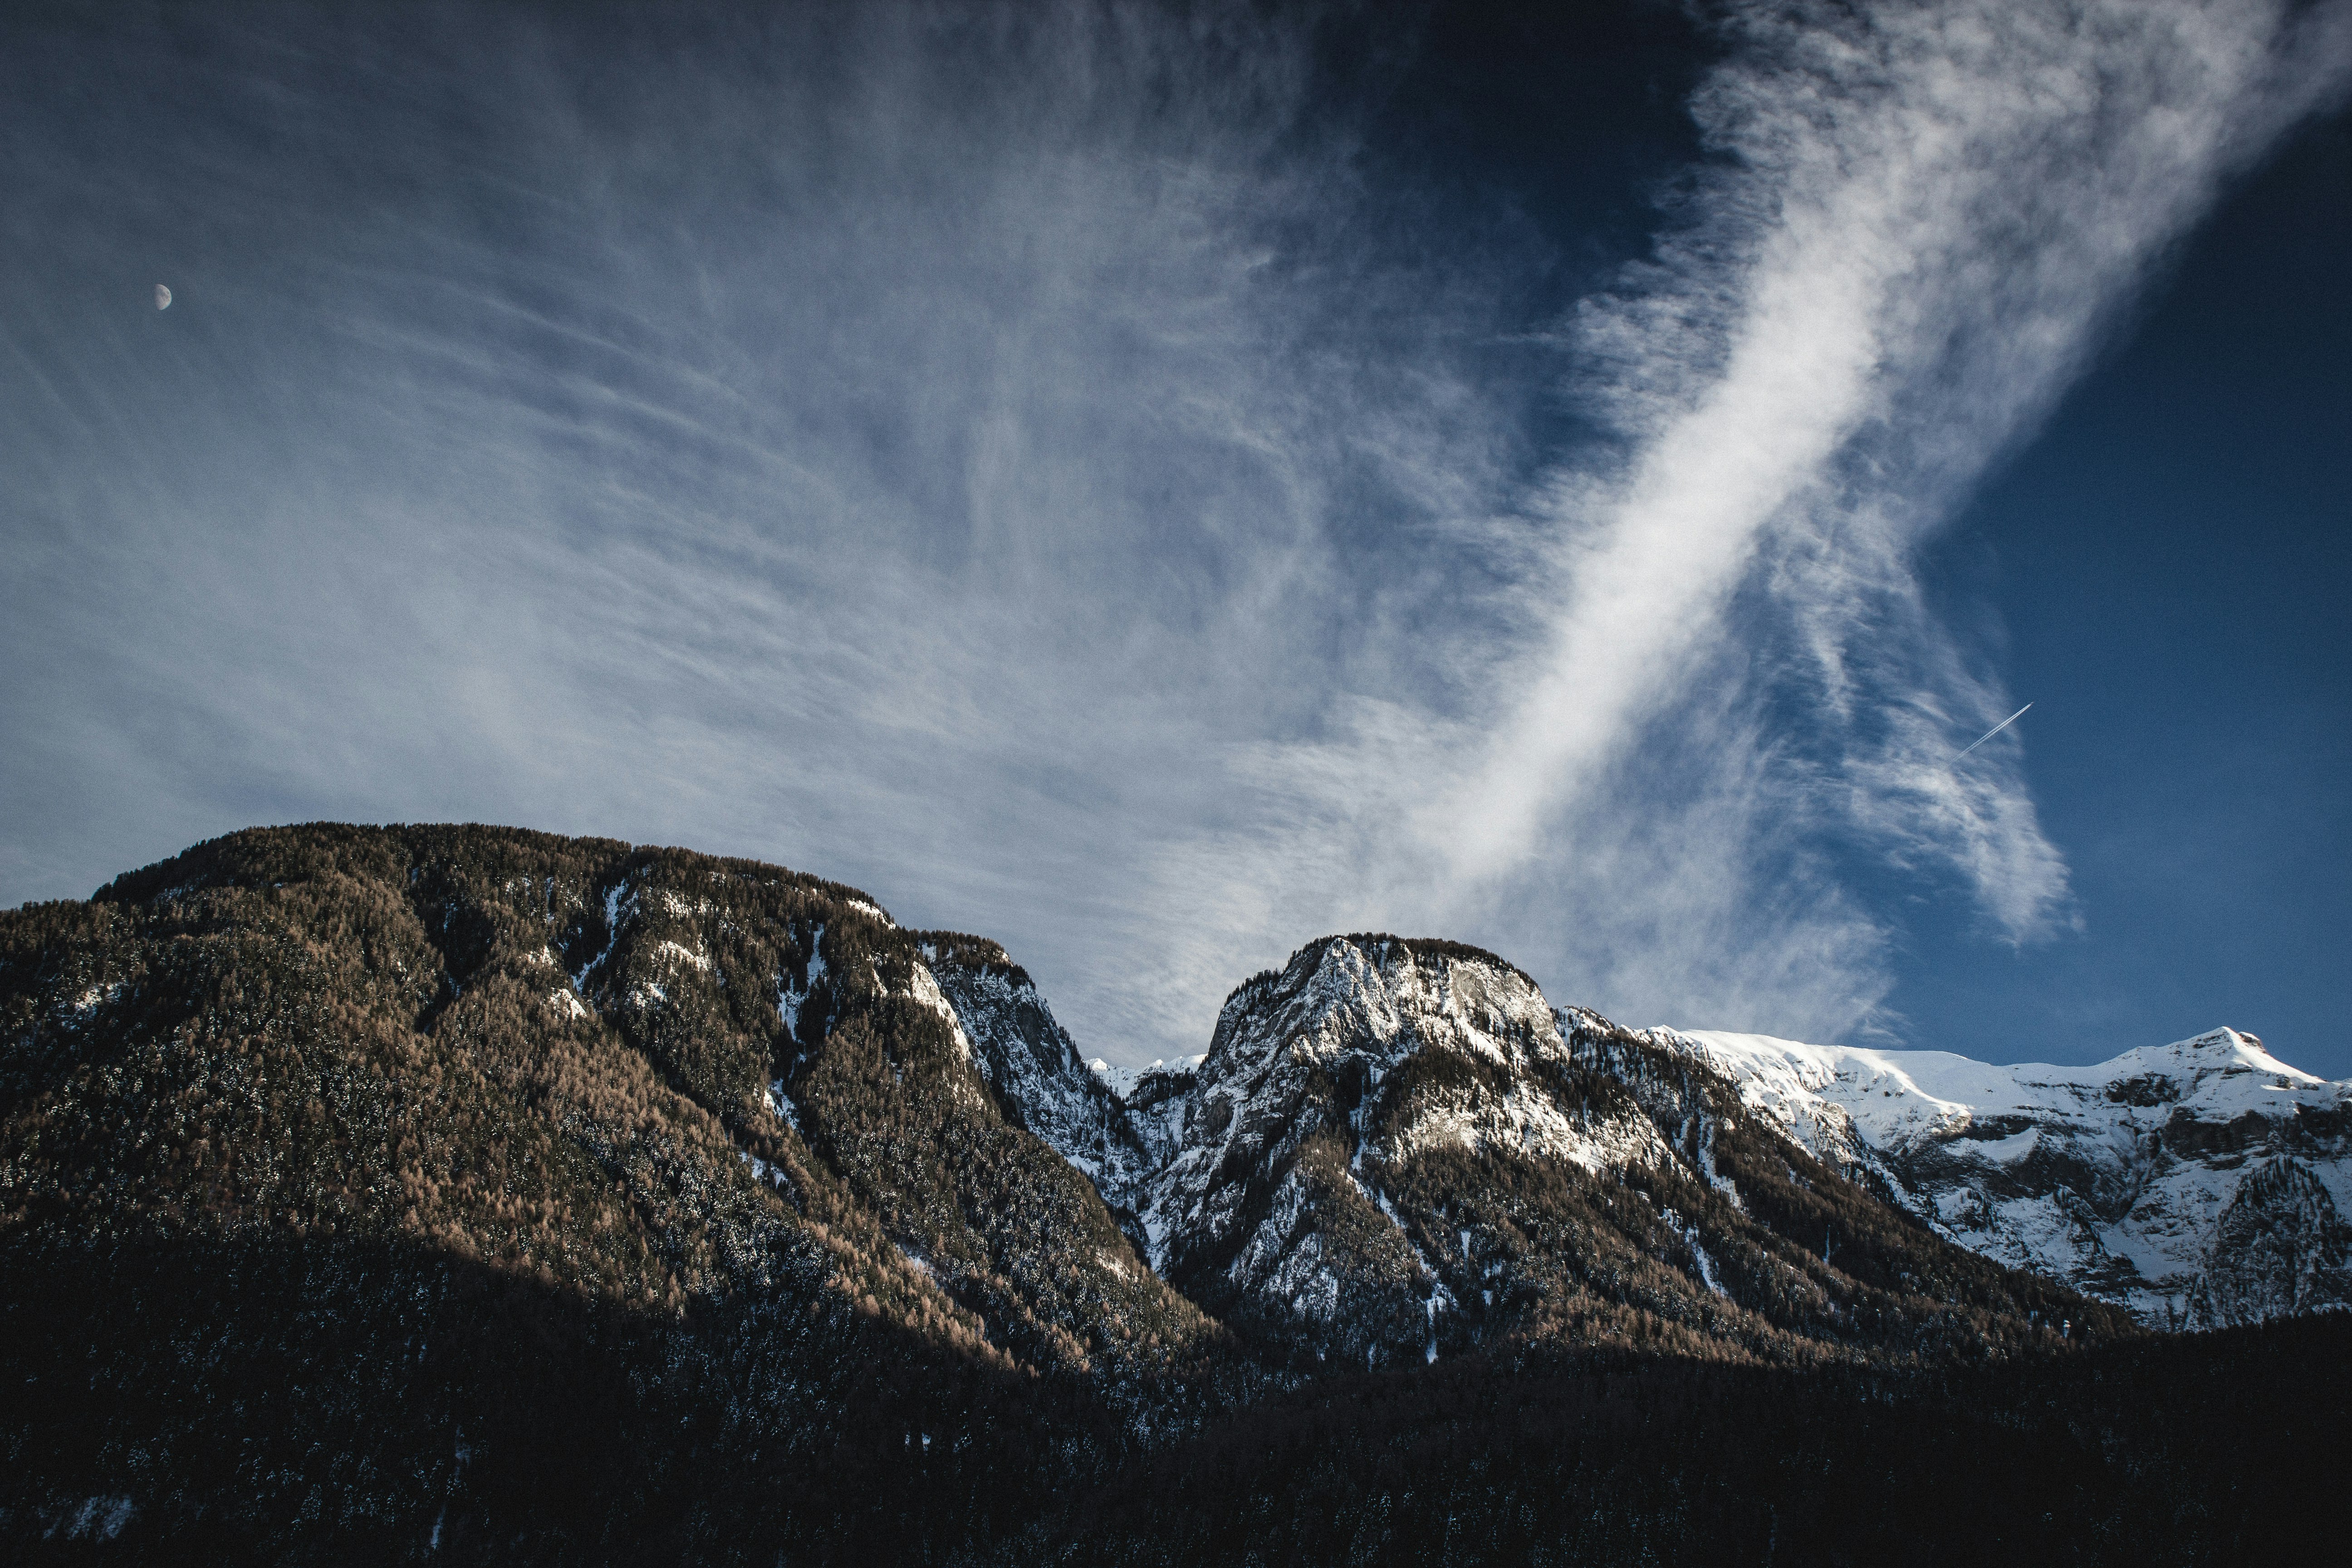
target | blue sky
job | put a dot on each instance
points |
(2166, 560)
(1154, 485)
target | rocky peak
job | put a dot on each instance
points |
(1267, 1200)
(1313, 1049)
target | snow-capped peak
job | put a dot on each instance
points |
(1276, 1150)
(2140, 1178)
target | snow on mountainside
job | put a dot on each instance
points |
(1397, 1150)
(1030, 1060)
(1123, 1081)
(2200, 1183)
(1350, 1016)
(1265, 1201)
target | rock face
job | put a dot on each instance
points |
(2199, 1185)
(1397, 1148)
(1031, 1064)
(1271, 1194)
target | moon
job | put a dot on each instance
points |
(163, 297)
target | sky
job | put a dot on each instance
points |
(1155, 484)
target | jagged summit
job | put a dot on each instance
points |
(1269, 1196)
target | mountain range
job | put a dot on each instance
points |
(419, 1192)
(2198, 1185)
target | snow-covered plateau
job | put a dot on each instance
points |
(2199, 1184)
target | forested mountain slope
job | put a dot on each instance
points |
(327, 1087)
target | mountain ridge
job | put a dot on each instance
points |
(350, 1177)
(1326, 1176)
(2200, 1182)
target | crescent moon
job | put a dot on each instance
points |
(162, 297)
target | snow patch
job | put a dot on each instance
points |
(86, 1005)
(923, 988)
(98, 1519)
(613, 896)
(1118, 1079)
(792, 996)
(764, 1173)
(1689, 1233)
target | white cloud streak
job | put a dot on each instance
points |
(992, 457)
(1924, 218)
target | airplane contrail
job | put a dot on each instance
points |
(1989, 734)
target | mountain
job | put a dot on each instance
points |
(386, 1120)
(1397, 1150)
(432, 1192)
(2200, 1185)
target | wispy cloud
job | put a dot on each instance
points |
(1007, 457)
(1921, 220)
